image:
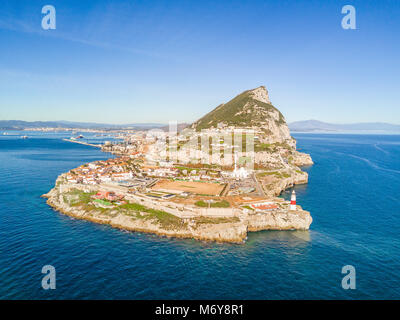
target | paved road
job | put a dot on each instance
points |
(226, 190)
(259, 188)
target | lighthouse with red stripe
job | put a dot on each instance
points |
(293, 201)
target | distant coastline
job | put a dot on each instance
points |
(306, 126)
(376, 133)
(315, 126)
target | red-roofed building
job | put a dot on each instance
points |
(264, 206)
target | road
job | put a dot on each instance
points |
(260, 190)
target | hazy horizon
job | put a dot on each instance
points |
(189, 122)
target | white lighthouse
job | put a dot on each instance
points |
(293, 201)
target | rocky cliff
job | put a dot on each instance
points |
(250, 109)
(219, 229)
(290, 220)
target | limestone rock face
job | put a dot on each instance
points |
(260, 94)
(302, 159)
(292, 220)
(251, 109)
(277, 185)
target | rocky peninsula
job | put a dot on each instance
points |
(155, 187)
(74, 201)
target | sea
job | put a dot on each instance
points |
(353, 195)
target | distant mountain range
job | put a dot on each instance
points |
(319, 126)
(179, 127)
(20, 125)
(297, 126)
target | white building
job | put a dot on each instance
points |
(240, 173)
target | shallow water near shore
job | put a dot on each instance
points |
(352, 194)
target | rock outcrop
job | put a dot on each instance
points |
(301, 159)
(275, 186)
(250, 109)
(291, 220)
(260, 94)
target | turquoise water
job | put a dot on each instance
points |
(353, 195)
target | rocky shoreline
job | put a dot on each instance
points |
(208, 229)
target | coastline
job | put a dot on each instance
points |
(218, 229)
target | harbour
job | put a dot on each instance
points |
(83, 143)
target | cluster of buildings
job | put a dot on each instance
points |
(110, 170)
(168, 172)
(200, 175)
(109, 196)
(143, 175)
(186, 147)
(132, 146)
(264, 206)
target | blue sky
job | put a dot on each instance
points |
(155, 61)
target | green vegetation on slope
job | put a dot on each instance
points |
(77, 197)
(218, 204)
(165, 219)
(83, 200)
(278, 174)
(230, 113)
